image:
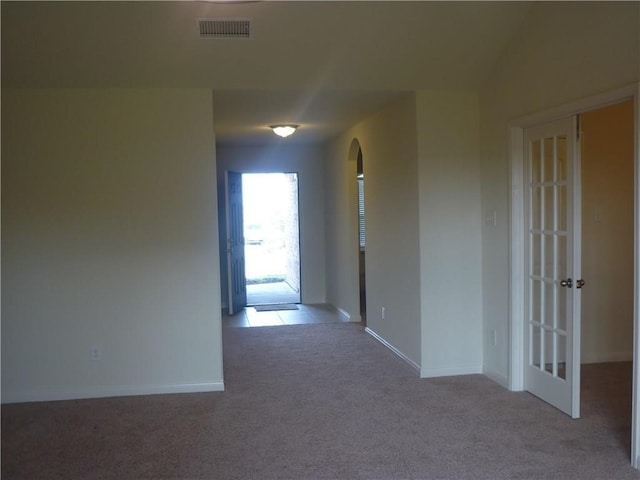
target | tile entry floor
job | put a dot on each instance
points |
(308, 313)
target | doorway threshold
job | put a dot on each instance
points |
(271, 293)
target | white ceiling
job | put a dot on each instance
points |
(324, 65)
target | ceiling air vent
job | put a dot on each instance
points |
(225, 28)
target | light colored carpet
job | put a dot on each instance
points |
(323, 401)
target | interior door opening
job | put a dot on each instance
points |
(271, 238)
(607, 146)
(361, 240)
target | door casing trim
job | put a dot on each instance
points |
(516, 242)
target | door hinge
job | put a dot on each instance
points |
(578, 127)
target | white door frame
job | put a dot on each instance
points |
(516, 202)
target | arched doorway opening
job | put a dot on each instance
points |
(355, 153)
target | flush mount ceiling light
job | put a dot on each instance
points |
(284, 130)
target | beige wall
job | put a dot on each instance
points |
(306, 161)
(563, 51)
(109, 240)
(422, 199)
(389, 148)
(607, 233)
(450, 241)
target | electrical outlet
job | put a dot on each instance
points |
(382, 312)
(96, 352)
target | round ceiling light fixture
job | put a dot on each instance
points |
(284, 130)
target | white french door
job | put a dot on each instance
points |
(552, 264)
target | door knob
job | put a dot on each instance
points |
(566, 283)
(579, 283)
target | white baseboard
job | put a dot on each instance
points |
(393, 349)
(111, 391)
(606, 357)
(450, 371)
(501, 380)
(344, 313)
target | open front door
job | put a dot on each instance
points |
(236, 284)
(552, 267)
